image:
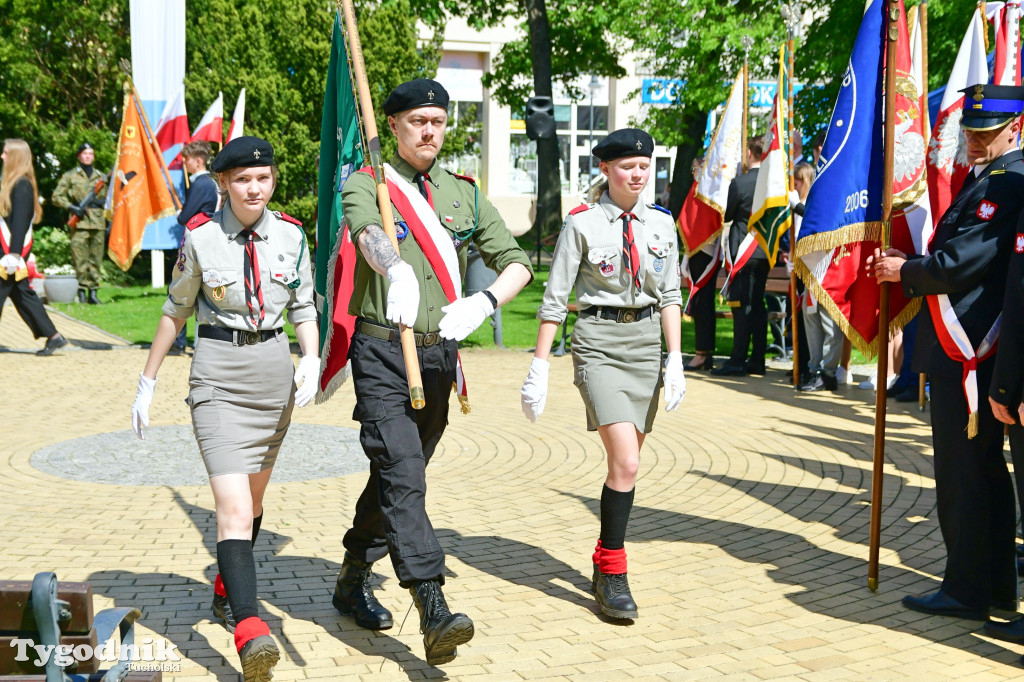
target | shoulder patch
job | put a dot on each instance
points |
(580, 209)
(197, 220)
(467, 178)
(656, 207)
(986, 209)
(287, 218)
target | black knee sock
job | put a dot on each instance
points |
(615, 508)
(256, 523)
(238, 571)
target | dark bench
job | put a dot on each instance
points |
(778, 288)
(50, 615)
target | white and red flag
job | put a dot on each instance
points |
(211, 128)
(1005, 17)
(172, 128)
(947, 150)
(238, 118)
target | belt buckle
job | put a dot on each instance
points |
(627, 315)
(430, 339)
(251, 338)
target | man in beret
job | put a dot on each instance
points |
(962, 280)
(89, 236)
(437, 215)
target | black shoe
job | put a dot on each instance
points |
(938, 603)
(612, 592)
(707, 364)
(908, 395)
(52, 344)
(259, 656)
(81, 296)
(754, 368)
(728, 370)
(816, 383)
(1009, 632)
(442, 630)
(353, 596)
(93, 299)
(222, 612)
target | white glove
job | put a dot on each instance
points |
(11, 262)
(307, 378)
(464, 315)
(794, 198)
(143, 398)
(535, 389)
(403, 295)
(789, 267)
(675, 381)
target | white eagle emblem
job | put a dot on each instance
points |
(986, 209)
(909, 152)
(1020, 243)
(948, 146)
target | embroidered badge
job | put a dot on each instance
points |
(181, 261)
(987, 209)
(659, 264)
(401, 230)
(457, 241)
(1020, 243)
(218, 293)
(607, 269)
(449, 219)
(211, 278)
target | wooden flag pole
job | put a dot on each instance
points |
(892, 16)
(922, 397)
(746, 104)
(792, 236)
(412, 365)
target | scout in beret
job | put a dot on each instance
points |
(243, 152)
(421, 92)
(619, 255)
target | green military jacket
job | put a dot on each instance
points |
(72, 189)
(464, 212)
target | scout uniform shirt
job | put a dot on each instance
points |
(207, 278)
(588, 256)
(466, 215)
(72, 188)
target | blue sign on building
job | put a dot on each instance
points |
(665, 91)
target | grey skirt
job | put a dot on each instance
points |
(617, 368)
(241, 398)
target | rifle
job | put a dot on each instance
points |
(90, 201)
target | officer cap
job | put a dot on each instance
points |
(82, 147)
(421, 92)
(243, 152)
(624, 142)
(987, 107)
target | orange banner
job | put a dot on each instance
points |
(141, 190)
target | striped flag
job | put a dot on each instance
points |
(238, 118)
(211, 127)
(1005, 17)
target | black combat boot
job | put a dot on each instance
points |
(94, 299)
(81, 295)
(612, 592)
(222, 612)
(442, 630)
(353, 595)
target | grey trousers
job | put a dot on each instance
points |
(824, 341)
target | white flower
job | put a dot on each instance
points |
(54, 270)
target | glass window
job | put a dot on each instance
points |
(523, 164)
(464, 110)
(563, 116)
(583, 112)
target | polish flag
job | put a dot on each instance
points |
(172, 128)
(947, 149)
(238, 118)
(211, 128)
(1006, 19)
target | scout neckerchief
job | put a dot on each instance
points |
(251, 274)
(436, 245)
(630, 256)
(703, 278)
(951, 334)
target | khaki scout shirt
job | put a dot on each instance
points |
(588, 257)
(72, 188)
(208, 280)
(466, 215)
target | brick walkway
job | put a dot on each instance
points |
(747, 544)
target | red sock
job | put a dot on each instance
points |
(218, 587)
(596, 557)
(248, 630)
(610, 561)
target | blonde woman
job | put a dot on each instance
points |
(19, 210)
(619, 254)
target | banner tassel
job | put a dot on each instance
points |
(972, 425)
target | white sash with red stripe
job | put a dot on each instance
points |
(743, 254)
(436, 245)
(704, 277)
(5, 249)
(957, 345)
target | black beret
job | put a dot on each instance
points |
(82, 147)
(624, 142)
(421, 92)
(243, 152)
(987, 107)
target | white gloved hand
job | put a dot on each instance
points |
(143, 399)
(403, 295)
(11, 262)
(307, 378)
(789, 267)
(794, 198)
(534, 393)
(675, 381)
(464, 315)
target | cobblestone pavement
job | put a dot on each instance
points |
(747, 544)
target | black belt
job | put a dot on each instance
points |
(385, 333)
(238, 338)
(618, 314)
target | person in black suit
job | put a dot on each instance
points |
(746, 290)
(966, 273)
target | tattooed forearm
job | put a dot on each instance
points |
(377, 249)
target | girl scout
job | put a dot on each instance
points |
(619, 255)
(238, 271)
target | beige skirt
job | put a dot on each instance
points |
(241, 398)
(617, 368)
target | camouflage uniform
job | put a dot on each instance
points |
(88, 238)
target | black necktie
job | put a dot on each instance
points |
(421, 182)
(251, 274)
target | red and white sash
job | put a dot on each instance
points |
(704, 278)
(436, 245)
(957, 345)
(5, 249)
(743, 254)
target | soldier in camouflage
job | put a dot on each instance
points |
(88, 237)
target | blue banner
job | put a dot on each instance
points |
(666, 91)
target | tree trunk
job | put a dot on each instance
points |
(695, 123)
(549, 181)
